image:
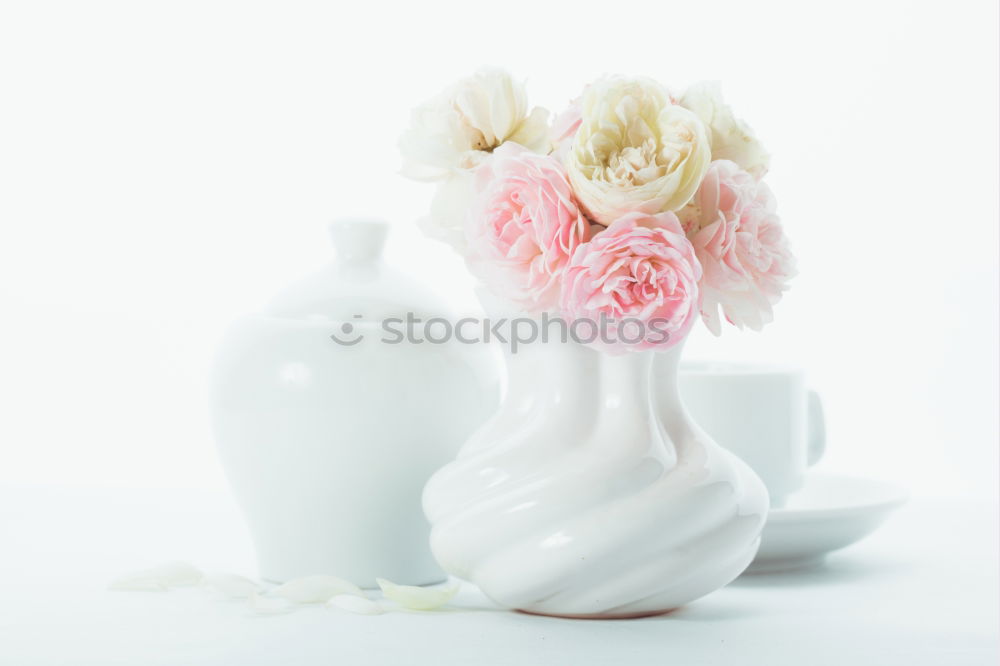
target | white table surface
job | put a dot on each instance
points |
(922, 590)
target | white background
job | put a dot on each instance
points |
(164, 167)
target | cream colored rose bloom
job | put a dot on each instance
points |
(635, 150)
(732, 139)
(460, 127)
(445, 221)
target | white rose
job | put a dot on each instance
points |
(635, 150)
(732, 139)
(460, 127)
(450, 206)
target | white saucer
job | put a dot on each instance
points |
(828, 513)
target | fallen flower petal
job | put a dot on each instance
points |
(161, 577)
(231, 586)
(355, 604)
(316, 589)
(417, 598)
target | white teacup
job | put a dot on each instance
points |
(762, 413)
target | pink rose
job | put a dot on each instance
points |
(744, 253)
(523, 227)
(564, 127)
(641, 273)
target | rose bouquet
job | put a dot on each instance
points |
(634, 204)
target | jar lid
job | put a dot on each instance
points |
(358, 286)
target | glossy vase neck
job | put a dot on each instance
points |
(597, 378)
(566, 395)
(571, 376)
(593, 399)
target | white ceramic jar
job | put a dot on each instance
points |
(328, 433)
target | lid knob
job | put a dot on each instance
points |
(358, 239)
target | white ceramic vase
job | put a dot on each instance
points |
(327, 445)
(591, 493)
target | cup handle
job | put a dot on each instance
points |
(816, 425)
